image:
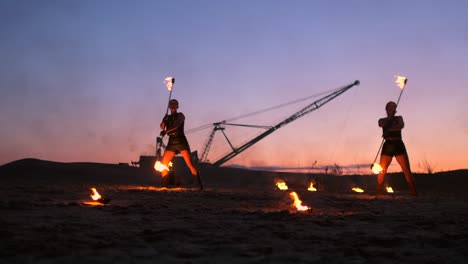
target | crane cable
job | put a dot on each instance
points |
(345, 121)
(196, 129)
(342, 129)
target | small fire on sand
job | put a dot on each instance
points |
(357, 189)
(281, 185)
(298, 203)
(389, 189)
(312, 188)
(97, 198)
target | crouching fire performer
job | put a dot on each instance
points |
(393, 147)
(173, 126)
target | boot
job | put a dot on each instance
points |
(413, 189)
(164, 182)
(380, 190)
(177, 181)
(197, 176)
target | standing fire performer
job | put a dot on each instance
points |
(393, 147)
(173, 125)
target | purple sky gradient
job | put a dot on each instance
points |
(83, 80)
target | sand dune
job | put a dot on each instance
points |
(240, 218)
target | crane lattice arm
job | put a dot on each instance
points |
(309, 108)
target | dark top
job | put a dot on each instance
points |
(176, 121)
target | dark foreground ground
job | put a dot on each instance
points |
(43, 220)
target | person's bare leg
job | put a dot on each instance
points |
(188, 160)
(405, 167)
(384, 163)
(167, 157)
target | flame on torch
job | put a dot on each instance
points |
(169, 81)
(401, 81)
(357, 189)
(312, 188)
(376, 168)
(389, 189)
(95, 196)
(281, 185)
(298, 202)
(160, 167)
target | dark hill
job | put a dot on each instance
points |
(42, 171)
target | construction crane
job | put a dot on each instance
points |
(220, 126)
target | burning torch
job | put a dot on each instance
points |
(169, 82)
(401, 83)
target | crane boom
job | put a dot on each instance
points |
(309, 108)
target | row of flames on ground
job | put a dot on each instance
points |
(283, 186)
(298, 203)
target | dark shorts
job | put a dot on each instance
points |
(393, 148)
(177, 144)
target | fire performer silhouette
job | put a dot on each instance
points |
(393, 147)
(173, 126)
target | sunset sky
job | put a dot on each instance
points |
(83, 80)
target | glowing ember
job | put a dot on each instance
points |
(357, 189)
(160, 167)
(376, 168)
(281, 185)
(312, 188)
(389, 189)
(298, 202)
(401, 81)
(95, 196)
(169, 81)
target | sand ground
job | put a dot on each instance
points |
(45, 221)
